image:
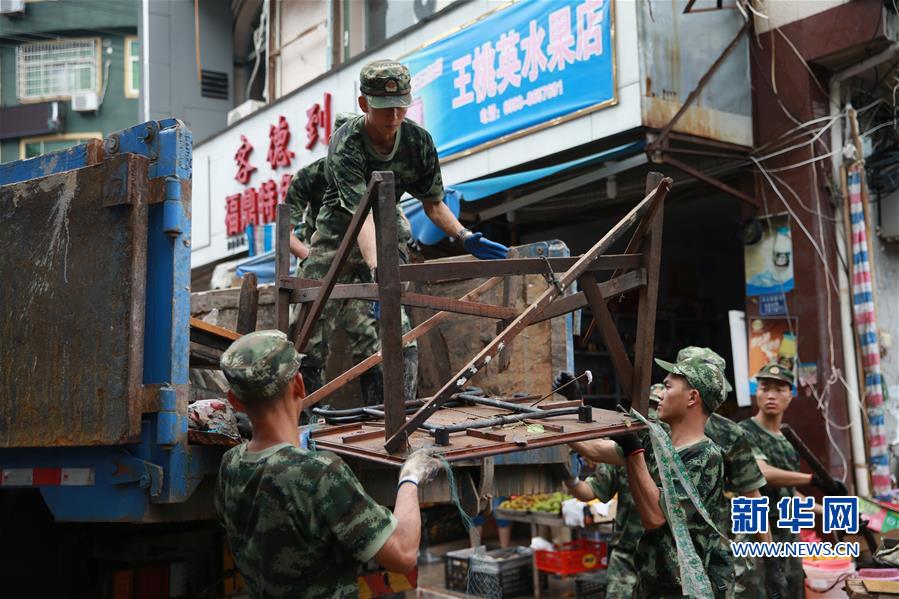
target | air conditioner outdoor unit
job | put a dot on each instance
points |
(11, 7)
(244, 110)
(85, 102)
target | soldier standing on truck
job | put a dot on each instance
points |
(779, 462)
(379, 140)
(298, 521)
(304, 196)
(693, 390)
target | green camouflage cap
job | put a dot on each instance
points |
(706, 354)
(655, 393)
(776, 372)
(260, 364)
(702, 376)
(386, 84)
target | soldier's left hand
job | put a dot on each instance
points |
(420, 467)
(830, 487)
(482, 248)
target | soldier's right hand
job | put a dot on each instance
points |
(565, 386)
(830, 487)
(420, 467)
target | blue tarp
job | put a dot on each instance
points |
(263, 266)
(427, 233)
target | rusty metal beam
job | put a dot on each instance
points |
(484, 357)
(343, 252)
(282, 266)
(710, 180)
(610, 337)
(390, 326)
(608, 289)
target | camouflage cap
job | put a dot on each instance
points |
(655, 393)
(386, 84)
(260, 364)
(702, 376)
(706, 354)
(776, 372)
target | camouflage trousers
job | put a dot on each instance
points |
(354, 317)
(622, 575)
(751, 579)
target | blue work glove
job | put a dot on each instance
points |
(482, 248)
(375, 310)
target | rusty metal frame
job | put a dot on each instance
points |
(642, 274)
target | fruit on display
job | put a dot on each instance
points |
(541, 502)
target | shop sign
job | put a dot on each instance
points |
(256, 204)
(527, 65)
(769, 261)
(773, 304)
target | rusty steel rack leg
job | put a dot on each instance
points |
(282, 267)
(390, 326)
(647, 205)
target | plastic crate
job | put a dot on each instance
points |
(581, 555)
(591, 586)
(502, 573)
(455, 569)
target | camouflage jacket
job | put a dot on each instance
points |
(741, 472)
(298, 522)
(656, 555)
(304, 196)
(351, 161)
(608, 480)
(774, 449)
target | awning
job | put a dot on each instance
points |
(427, 233)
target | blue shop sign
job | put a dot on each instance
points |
(525, 66)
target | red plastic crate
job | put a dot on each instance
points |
(581, 555)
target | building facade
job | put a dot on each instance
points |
(69, 72)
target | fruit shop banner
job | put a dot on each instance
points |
(528, 65)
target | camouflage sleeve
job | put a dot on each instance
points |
(741, 471)
(604, 482)
(360, 525)
(429, 185)
(295, 200)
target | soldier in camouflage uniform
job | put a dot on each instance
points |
(380, 140)
(298, 521)
(603, 484)
(693, 390)
(779, 462)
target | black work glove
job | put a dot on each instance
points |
(629, 443)
(775, 581)
(571, 392)
(830, 487)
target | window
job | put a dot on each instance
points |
(57, 69)
(29, 147)
(370, 23)
(132, 67)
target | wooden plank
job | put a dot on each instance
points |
(523, 320)
(609, 289)
(469, 268)
(609, 332)
(282, 266)
(363, 436)
(646, 311)
(390, 326)
(343, 252)
(248, 306)
(372, 361)
(210, 335)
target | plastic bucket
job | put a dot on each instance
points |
(824, 578)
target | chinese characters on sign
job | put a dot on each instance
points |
(257, 205)
(524, 65)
